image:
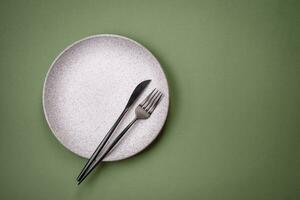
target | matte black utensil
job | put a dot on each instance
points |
(135, 94)
(142, 111)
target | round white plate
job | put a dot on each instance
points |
(87, 87)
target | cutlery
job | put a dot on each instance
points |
(142, 111)
(135, 94)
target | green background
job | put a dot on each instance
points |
(233, 126)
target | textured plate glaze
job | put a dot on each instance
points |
(87, 87)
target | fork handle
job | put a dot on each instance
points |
(110, 147)
(101, 145)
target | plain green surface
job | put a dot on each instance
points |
(234, 123)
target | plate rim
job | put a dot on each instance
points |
(87, 38)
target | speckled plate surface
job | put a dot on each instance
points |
(87, 87)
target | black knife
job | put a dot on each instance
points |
(134, 96)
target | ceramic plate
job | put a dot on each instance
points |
(87, 87)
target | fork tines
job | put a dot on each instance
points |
(151, 101)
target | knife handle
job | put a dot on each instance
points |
(111, 146)
(101, 145)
